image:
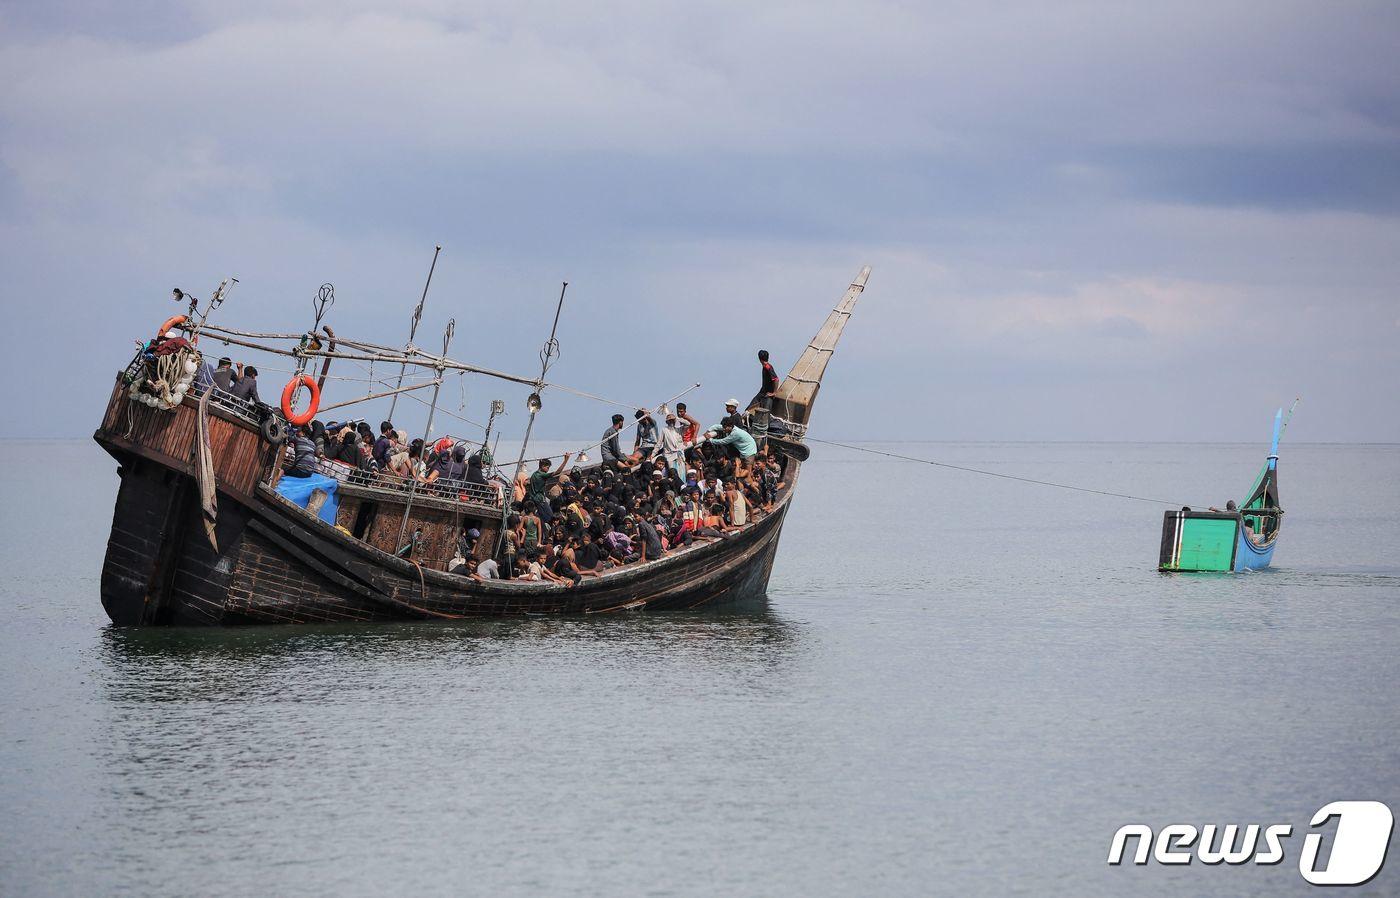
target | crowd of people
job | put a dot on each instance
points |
(239, 381)
(638, 507)
(678, 483)
(390, 455)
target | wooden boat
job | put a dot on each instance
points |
(1231, 540)
(273, 561)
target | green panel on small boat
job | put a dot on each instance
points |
(1207, 545)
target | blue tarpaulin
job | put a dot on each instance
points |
(299, 490)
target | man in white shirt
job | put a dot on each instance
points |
(673, 445)
(488, 570)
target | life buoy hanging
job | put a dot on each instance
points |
(174, 321)
(309, 382)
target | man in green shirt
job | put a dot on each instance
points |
(537, 489)
(740, 444)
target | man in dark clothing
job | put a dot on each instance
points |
(564, 569)
(763, 399)
(349, 451)
(587, 556)
(453, 467)
(647, 436)
(247, 386)
(383, 445)
(224, 377)
(537, 489)
(611, 450)
(651, 540)
(304, 454)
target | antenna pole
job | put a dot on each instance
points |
(413, 328)
(548, 354)
(427, 431)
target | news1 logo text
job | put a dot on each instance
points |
(1357, 853)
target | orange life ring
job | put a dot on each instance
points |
(174, 321)
(309, 382)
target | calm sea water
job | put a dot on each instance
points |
(957, 685)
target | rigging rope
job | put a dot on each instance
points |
(940, 464)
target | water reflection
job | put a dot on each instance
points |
(208, 741)
(179, 664)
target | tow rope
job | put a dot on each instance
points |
(940, 464)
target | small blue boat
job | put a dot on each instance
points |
(1236, 539)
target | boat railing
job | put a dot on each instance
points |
(231, 405)
(219, 399)
(392, 486)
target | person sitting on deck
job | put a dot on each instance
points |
(573, 546)
(610, 450)
(540, 483)
(562, 567)
(366, 436)
(303, 454)
(619, 545)
(475, 473)
(466, 543)
(647, 438)
(348, 452)
(487, 570)
(765, 483)
(740, 445)
(408, 463)
(384, 445)
(586, 554)
(650, 540)
(534, 571)
(247, 386)
(450, 467)
(737, 504)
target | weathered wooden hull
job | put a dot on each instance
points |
(276, 564)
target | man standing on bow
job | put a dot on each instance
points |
(764, 397)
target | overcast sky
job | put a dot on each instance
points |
(1086, 220)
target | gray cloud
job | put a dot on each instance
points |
(1084, 218)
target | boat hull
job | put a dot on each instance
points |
(276, 564)
(1249, 557)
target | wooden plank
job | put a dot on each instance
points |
(798, 390)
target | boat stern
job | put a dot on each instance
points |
(1199, 541)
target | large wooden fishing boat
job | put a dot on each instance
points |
(201, 534)
(1236, 539)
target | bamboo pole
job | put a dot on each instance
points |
(426, 383)
(427, 432)
(413, 328)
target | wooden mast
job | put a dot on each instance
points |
(798, 390)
